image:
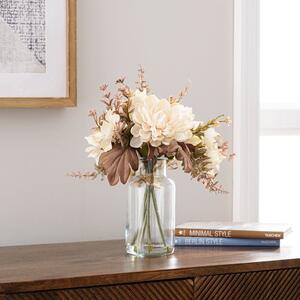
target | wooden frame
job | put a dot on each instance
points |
(71, 99)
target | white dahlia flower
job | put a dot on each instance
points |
(101, 139)
(157, 121)
(211, 141)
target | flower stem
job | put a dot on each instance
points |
(157, 215)
(139, 231)
(139, 236)
(148, 219)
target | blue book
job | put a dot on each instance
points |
(204, 241)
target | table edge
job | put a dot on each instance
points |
(144, 276)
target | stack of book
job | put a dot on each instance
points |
(230, 234)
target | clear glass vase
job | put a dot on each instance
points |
(151, 211)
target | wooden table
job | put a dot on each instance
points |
(101, 270)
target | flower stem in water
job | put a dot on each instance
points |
(157, 215)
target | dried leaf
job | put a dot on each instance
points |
(86, 175)
(184, 155)
(118, 163)
(181, 151)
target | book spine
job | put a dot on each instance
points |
(229, 233)
(204, 241)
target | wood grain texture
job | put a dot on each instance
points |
(166, 290)
(87, 264)
(71, 99)
(265, 285)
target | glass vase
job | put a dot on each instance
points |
(151, 211)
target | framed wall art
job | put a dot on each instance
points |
(37, 53)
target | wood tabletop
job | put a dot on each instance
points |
(56, 266)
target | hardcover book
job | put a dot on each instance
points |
(233, 230)
(208, 241)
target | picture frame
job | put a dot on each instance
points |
(53, 81)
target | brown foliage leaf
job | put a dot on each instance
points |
(118, 163)
(183, 154)
(181, 151)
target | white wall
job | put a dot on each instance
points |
(175, 41)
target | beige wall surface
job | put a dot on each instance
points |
(176, 41)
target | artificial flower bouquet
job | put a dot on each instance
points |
(136, 131)
(137, 124)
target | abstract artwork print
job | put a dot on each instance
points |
(22, 36)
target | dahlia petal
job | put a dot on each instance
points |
(145, 135)
(136, 142)
(135, 130)
(155, 143)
